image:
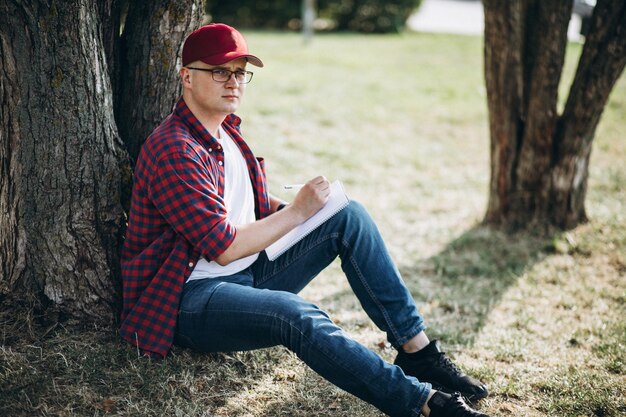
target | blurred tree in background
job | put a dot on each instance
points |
(266, 14)
(366, 16)
(540, 156)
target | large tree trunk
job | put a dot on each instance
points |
(539, 159)
(64, 172)
(60, 157)
(151, 47)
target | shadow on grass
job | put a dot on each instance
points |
(457, 288)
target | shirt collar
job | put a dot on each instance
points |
(199, 131)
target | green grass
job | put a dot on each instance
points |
(402, 121)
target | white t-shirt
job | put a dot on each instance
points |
(239, 200)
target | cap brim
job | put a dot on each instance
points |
(229, 56)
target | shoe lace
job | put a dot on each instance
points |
(445, 363)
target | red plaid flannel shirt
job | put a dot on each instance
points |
(177, 214)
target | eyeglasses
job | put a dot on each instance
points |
(222, 75)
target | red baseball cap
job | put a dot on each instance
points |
(216, 44)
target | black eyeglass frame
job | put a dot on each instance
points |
(247, 74)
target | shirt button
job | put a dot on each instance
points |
(190, 264)
(210, 149)
(219, 147)
(219, 162)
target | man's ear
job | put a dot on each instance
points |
(185, 76)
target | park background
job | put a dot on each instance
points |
(401, 119)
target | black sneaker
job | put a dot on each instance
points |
(446, 405)
(432, 365)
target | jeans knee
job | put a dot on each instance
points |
(301, 323)
(356, 210)
(354, 215)
(354, 223)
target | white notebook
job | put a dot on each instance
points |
(336, 202)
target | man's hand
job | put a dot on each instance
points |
(311, 198)
(254, 237)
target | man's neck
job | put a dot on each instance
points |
(211, 122)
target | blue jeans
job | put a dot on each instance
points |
(259, 308)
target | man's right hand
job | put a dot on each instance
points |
(311, 197)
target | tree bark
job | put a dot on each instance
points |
(61, 160)
(151, 47)
(65, 173)
(602, 62)
(110, 12)
(539, 159)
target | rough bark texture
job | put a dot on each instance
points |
(151, 48)
(111, 12)
(539, 159)
(64, 171)
(602, 62)
(60, 157)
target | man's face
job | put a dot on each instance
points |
(214, 98)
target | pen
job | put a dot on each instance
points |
(293, 186)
